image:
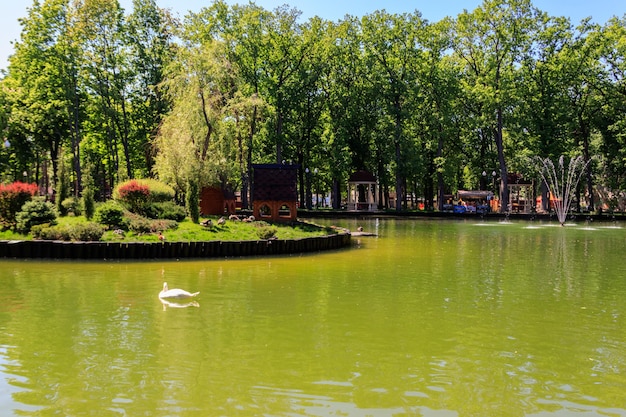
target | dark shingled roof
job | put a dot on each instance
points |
(275, 182)
(362, 176)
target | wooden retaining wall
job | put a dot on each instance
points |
(48, 249)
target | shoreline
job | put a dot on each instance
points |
(576, 217)
(104, 251)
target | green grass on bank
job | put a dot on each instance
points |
(187, 231)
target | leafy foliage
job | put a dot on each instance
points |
(265, 231)
(138, 195)
(12, 197)
(72, 205)
(84, 232)
(159, 191)
(192, 201)
(110, 214)
(142, 225)
(132, 195)
(88, 202)
(63, 188)
(35, 212)
(166, 210)
(424, 106)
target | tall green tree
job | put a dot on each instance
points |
(437, 121)
(192, 141)
(283, 53)
(584, 101)
(393, 44)
(491, 41)
(541, 122)
(611, 86)
(150, 41)
(42, 86)
(351, 108)
(107, 78)
(544, 79)
(304, 115)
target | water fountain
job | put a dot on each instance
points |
(561, 184)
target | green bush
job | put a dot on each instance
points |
(62, 185)
(12, 198)
(89, 204)
(83, 232)
(143, 225)
(87, 232)
(72, 205)
(47, 232)
(33, 213)
(159, 191)
(265, 230)
(192, 198)
(140, 225)
(111, 214)
(166, 210)
(139, 193)
(133, 195)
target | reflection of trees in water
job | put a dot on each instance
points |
(532, 301)
(561, 264)
(573, 269)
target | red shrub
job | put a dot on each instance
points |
(134, 195)
(12, 198)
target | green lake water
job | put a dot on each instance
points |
(430, 318)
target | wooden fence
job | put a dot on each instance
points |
(47, 249)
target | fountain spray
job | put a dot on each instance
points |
(562, 184)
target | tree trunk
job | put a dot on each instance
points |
(587, 158)
(76, 136)
(545, 197)
(335, 194)
(504, 174)
(397, 136)
(440, 183)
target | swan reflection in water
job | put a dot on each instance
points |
(178, 304)
(175, 293)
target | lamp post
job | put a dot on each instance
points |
(493, 177)
(307, 189)
(316, 187)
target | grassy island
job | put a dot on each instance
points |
(188, 231)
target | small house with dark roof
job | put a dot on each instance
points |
(275, 192)
(362, 192)
(216, 201)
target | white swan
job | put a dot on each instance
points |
(175, 293)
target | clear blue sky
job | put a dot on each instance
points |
(433, 10)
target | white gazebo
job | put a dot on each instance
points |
(362, 192)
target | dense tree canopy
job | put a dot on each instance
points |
(428, 107)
